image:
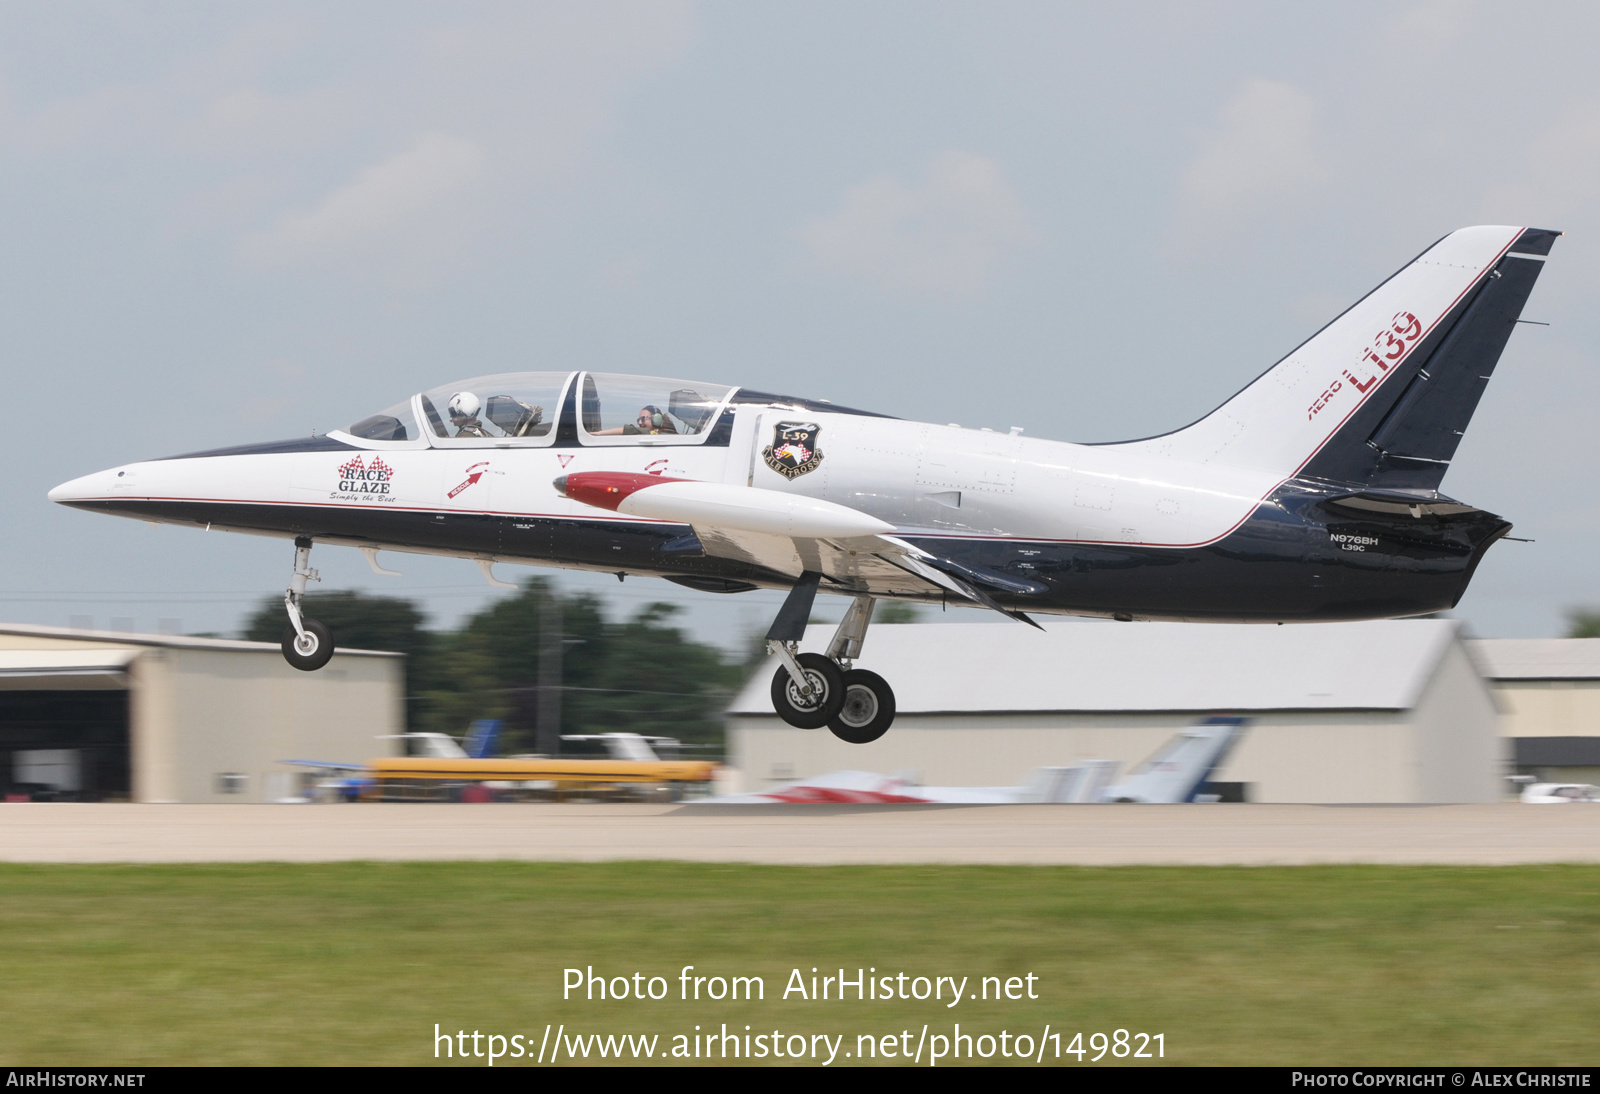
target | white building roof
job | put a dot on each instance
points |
(65, 669)
(1537, 658)
(170, 641)
(64, 662)
(1099, 666)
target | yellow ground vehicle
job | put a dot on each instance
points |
(429, 778)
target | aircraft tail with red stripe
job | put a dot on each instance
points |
(1381, 396)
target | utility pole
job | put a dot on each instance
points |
(547, 734)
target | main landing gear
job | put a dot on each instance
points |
(307, 644)
(814, 690)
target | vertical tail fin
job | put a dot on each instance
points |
(1177, 770)
(481, 736)
(1382, 395)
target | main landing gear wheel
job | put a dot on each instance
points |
(310, 651)
(827, 693)
(868, 708)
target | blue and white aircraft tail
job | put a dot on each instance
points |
(1181, 768)
(481, 736)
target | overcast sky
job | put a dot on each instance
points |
(235, 222)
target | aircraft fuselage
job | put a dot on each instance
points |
(1312, 494)
(1112, 530)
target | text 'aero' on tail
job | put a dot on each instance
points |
(1382, 395)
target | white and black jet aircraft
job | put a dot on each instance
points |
(1312, 494)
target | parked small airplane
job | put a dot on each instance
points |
(350, 781)
(1312, 494)
(439, 764)
(1178, 771)
(1559, 793)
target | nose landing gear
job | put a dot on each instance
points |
(307, 644)
(813, 690)
(309, 648)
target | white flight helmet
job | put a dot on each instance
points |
(464, 404)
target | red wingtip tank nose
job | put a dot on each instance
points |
(605, 489)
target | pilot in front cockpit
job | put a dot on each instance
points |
(650, 421)
(464, 407)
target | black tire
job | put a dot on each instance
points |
(868, 708)
(827, 684)
(314, 652)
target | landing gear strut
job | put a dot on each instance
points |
(307, 644)
(868, 707)
(812, 690)
(808, 689)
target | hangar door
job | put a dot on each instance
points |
(64, 728)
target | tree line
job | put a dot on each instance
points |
(641, 675)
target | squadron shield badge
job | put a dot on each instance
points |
(793, 450)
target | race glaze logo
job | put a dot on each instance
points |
(365, 482)
(793, 450)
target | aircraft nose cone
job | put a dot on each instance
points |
(112, 483)
(560, 484)
(80, 489)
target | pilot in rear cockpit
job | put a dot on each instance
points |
(464, 407)
(650, 421)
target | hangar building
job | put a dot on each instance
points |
(98, 715)
(1549, 694)
(1391, 711)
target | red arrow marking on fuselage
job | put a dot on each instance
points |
(473, 475)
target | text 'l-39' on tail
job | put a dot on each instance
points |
(1381, 396)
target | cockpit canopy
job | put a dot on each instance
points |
(526, 407)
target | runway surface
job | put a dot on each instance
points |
(1254, 835)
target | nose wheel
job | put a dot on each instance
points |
(307, 645)
(309, 648)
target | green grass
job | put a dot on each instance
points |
(356, 962)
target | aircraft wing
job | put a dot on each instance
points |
(792, 534)
(325, 765)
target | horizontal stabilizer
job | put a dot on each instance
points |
(1402, 504)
